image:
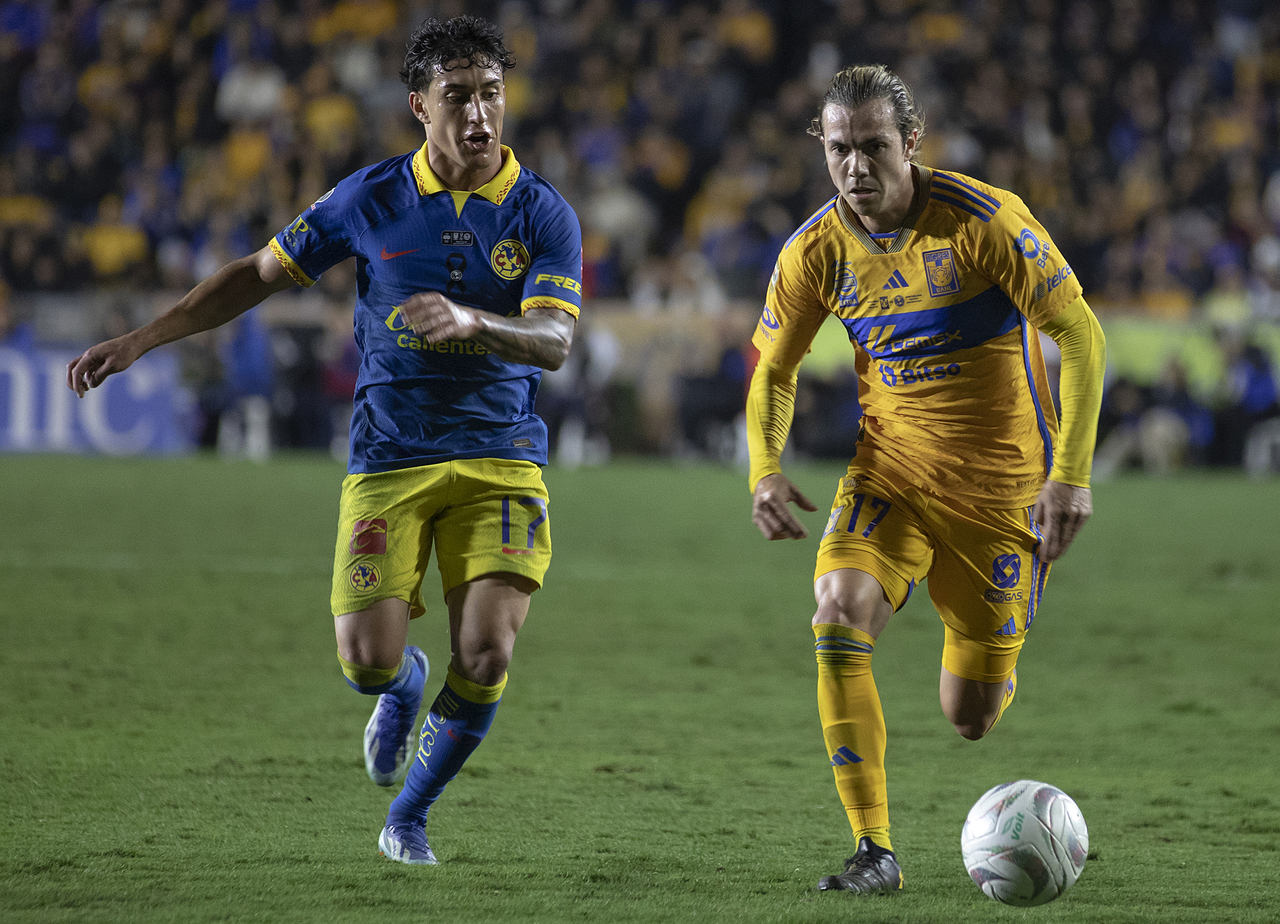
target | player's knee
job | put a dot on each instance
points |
(972, 726)
(860, 612)
(369, 653)
(972, 731)
(374, 638)
(484, 663)
(852, 598)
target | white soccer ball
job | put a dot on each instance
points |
(1024, 843)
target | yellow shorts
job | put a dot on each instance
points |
(984, 575)
(482, 515)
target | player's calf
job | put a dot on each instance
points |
(388, 737)
(972, 706)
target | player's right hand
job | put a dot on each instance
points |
(435, 317)
(769, 510)
(90, 368)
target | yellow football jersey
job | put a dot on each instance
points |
(942, 315)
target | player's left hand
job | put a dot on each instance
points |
(1060, 511)
(434, 318)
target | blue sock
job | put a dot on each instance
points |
(454, 727)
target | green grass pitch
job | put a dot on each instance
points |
(177, 744)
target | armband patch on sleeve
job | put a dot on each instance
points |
(295, 272)
(548, 301)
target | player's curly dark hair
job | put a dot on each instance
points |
(436, 43)
(862, 83)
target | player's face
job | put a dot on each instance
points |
(869, 162)
(462, 110)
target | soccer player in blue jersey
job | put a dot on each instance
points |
(962, 475)
(469, 272)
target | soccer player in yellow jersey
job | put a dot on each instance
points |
(962, 473)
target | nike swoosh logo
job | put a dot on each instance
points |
(390, 256)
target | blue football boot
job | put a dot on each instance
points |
(388, 738)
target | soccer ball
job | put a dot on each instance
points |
(1024, 843)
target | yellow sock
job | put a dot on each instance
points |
(475, 692)
(853, 727)
(879, 837)
(369, 679)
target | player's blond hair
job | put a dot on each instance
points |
(863, 83)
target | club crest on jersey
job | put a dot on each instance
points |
(940, 270)
(365, 577)
(509, 259)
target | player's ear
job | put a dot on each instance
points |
(418, 104)
(910, 144)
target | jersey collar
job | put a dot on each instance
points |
(495, 190)
(853, 226)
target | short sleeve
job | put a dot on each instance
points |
(320, 237)
(554, 279)
(1019, 256)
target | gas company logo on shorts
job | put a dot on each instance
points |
(365, 577)
(940, 271)
(1002, 596)
(1006, 570)
(369, 537)
(509, 259)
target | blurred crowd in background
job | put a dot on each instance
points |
(147, 142)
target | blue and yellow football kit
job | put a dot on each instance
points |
(444, 437)
(959, 432)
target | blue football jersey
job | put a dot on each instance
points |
(512, 245)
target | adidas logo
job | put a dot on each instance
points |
(896, 281)
(844, 756)
(1008, 628)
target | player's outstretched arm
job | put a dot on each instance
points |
(225, 295)
(541, 337)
